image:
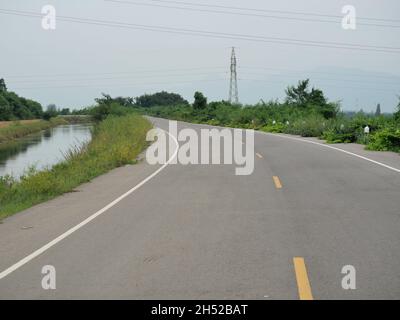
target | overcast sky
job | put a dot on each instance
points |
(72, 65)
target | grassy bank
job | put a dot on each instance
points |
(73, 119)
(19, 129)
(116, 141)
(4, 124)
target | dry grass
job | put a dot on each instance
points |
(4, 124)
(17, 129)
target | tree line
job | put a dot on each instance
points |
(15, 107)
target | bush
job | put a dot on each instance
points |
(387, 139)
(102, 111)
(333, 136)
(311, 126)
(276, 128)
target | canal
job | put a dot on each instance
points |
(42, 149)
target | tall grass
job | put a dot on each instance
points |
(116, 141)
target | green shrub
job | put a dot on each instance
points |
(311, 126)
(387, 139)
(104, 110)
(275, 128)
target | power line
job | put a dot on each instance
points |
(233, 90)
(268, 10)
(85, 85)
(157, 71)
(121, 77)
(44, 81)
(319, 72)
(108, 73)
(136, 84)
(219, 35)
(243, 13)
(328, 79)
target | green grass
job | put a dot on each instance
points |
(116, 141)
(18, 130)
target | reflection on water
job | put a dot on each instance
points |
(41, 149)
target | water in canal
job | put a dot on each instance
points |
(42, 149)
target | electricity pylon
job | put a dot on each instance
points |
(233, 88)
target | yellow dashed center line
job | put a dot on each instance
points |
(277, 182)
(303, 283)
(259, 155)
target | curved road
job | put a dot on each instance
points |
(201, 232)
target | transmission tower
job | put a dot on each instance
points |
(233, 88)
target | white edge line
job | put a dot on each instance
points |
(47, 246)
(308, 141)
(334, 148)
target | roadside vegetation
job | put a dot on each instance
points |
(305, 112)
(117, 140)
(119, 133)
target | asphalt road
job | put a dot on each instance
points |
(202, 232)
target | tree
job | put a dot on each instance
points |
(5, 109)
(316, 98)
(18, 105)
(303, 98)
(106, 99)
(397, 113)
(13, 106)
(34, 107)
(2, 85)
(162, 98)
(298, 95)
(51, 112)
(65, 111)
(104, 110)
(329, 110)
(378, 110)
(200, 101)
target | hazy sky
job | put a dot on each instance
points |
(72, 65)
